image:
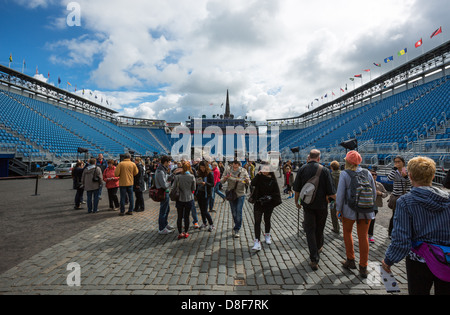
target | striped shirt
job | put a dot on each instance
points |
(402, 185)
(420, 216)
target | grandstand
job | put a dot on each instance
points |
(42, 123)
(402, 112)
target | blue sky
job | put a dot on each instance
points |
(170, 59)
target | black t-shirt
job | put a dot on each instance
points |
(326, 187)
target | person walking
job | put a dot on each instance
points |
(381, 193)
(266, 194)
(126, 170)
(77, 175)
(315, 213)
(353, 172)
(139, 186)
(402, 185)
(421, 228)
(205, 185)
(185, 183)
(335, 174)
(236, 177)
(112, 185)
(215, 190)
(162, 181)
(101, 162)
(92, 179)
(289, 181)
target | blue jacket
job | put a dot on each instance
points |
(423, 215)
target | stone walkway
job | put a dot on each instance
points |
(126, 256)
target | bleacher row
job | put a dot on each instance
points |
(396, 119)
(61, 131)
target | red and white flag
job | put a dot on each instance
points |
(419, 43)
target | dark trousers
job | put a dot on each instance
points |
(183, 210)
(112, 197)
(259, 212)
(314, 224)
(79, 197)
(421, 279)
(139, 205)
(203, 205)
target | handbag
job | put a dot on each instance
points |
(230, 194)
(174, 194)
(95, 177)
(157, 194)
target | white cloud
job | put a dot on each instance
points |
(274, 56)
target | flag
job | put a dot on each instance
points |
(48, 75)
(69, 83)
(10, 58)
(437, 32)
(389, 59)
(59, 80)
(377, 64)
(352, 79)
(342, 90)
(419, 43)
(367, 70)
(358, 76)
(402, 52)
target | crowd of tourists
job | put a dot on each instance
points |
(420, 222)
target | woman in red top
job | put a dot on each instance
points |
(112, 184)
(289, 181)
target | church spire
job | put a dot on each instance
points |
(227, 109)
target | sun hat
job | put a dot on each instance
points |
(353, 157)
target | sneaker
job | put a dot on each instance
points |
(203, 226)
(165, 231)
(169, 227)
(186, 235)
(257, 246)
(196, 226)
(182, 235)
(211, 228)
(267, 238)
(371, 239)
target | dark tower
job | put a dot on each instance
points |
(227, 109)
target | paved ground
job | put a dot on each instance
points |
(41, 235)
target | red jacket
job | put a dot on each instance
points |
(216, 173)
(109, 173)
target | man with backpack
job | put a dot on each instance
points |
(355, 202)
(313, 184)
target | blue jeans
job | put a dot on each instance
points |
(164, 209)
(124, 191)
(215, 191)
(236, 212)
(93, 204)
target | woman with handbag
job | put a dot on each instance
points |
(91, 180)
(236, 177)
(182, 190)
(402, 185)
(266, 196)
(205, 184)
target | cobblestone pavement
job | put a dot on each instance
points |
(125, 255)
